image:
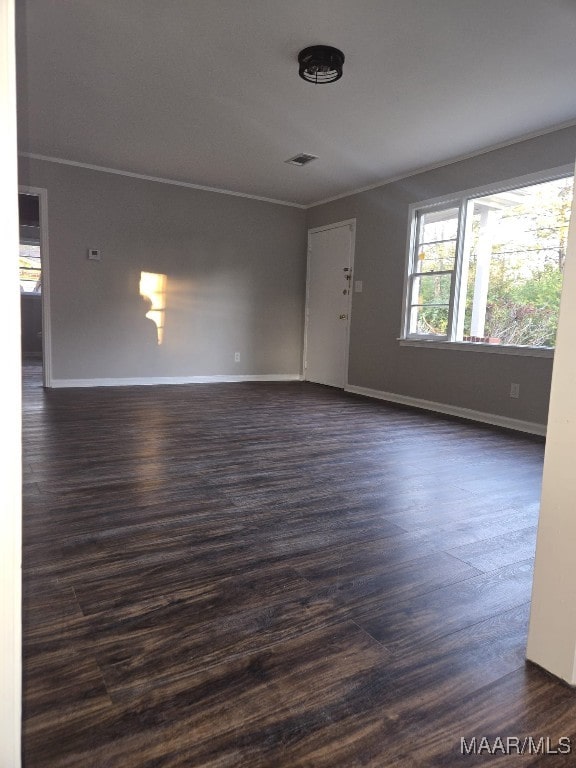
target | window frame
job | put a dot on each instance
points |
(464, 202)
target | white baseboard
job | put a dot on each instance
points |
(452, 410)
(154, 380)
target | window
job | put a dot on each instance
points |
(30, 267)
(29, 259)
(488, 268)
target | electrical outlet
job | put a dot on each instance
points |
(515, 390)
(94, 254)
(236, 357)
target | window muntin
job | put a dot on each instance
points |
(503, 255)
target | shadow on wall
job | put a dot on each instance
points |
(137, 336)
(151, 333)
(134, 339)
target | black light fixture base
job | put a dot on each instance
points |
(320, 64)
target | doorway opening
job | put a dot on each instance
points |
(32, 263)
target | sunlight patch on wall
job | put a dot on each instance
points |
(153, 287)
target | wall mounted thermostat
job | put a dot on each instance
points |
(94, 254)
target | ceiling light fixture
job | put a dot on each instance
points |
(320, 64)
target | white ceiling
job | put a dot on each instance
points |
(207, 91)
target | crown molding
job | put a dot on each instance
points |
(159, 179)
(444, 163)
(350, 193)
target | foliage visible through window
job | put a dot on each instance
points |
(30, 268)
(489, 269)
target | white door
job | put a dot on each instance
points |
(329, 284)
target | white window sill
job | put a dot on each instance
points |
(474, 346)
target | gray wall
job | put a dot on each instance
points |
(235, 272)
(476, 380)
(236, 281)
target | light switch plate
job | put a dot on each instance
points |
(94, 254)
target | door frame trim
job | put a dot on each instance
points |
(351, 224)
(42, 195)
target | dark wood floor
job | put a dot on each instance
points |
(275, 575)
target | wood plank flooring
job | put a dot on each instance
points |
(275, 575)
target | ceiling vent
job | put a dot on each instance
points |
(301, 159)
